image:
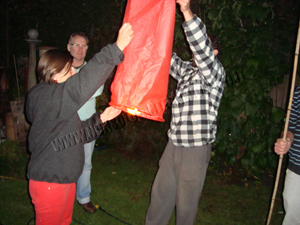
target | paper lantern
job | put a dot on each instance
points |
(141, 81)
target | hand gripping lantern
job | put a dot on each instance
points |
(141, 81)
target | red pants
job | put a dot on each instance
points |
(53, 202)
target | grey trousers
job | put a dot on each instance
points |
(178, 182)
(291, 198)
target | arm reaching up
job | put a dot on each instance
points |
(185, 9)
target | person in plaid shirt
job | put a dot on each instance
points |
(182, 167)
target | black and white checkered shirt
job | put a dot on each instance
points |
(199, 90)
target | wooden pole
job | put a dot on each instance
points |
(286, 124)
(17, 77)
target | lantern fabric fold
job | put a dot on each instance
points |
(141, 80)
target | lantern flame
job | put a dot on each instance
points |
(133, 111)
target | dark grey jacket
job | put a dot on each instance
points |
(57, 135)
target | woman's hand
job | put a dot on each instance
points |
(109, 113)
(125, 36)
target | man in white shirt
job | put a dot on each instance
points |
(77, 46)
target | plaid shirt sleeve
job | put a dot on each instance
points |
(211, 70)
(199, 90)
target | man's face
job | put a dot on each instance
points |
(75, 48)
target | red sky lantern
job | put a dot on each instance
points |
(141, 80)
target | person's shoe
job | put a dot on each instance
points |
(89, 207)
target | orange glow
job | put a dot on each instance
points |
(133, 111)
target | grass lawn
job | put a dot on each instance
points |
(121, 187)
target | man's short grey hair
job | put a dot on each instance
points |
(81, 34)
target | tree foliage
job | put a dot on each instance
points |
(258, 39)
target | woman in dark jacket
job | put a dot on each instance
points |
(57, 135)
